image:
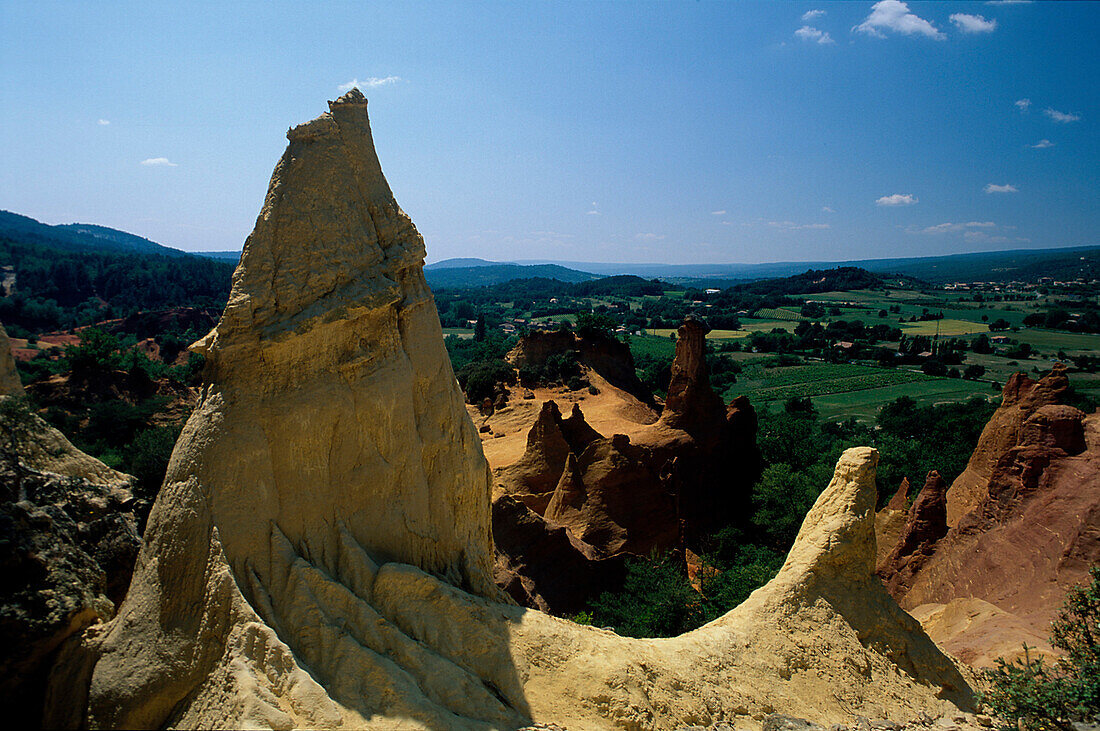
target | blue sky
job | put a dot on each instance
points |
(607, 131)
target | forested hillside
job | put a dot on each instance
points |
(54, 286)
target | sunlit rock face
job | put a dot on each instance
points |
(320, 554)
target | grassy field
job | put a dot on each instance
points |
(652, 345)
(1053, 341)
(945, 327)
(766, 326)
(864, 405)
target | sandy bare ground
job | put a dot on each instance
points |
(611, 411)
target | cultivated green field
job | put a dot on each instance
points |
(945, 327)
(652, 345)
(750, 325)
(864, 405)
(816, 379)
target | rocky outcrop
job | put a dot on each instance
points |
(543, 565)
(925, 525)
(691, 404)
(606, 355)
(678, 481)
(1032, 529)
(320, 554)
(1020, 398)
(10, 385)
(67, 550)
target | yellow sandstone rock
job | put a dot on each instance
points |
(320, 554)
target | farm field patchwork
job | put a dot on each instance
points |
(816, 379)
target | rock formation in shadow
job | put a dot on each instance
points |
(320, 554)
(679, 480)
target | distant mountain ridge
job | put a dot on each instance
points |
(90, 236)
(994, 266)
(481, 275)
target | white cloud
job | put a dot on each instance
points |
(811, 14)
(103, 122)
(1062, 117)
(807, 33)
(1006, 188)
(1042, 144)
(894, 15)
(718, 213)
(649, 237)
(595, 210)
(371, 82)
(897, 199)
(946, 228)
(792, 226)
(973, 23)
(826, 209)
(1023, 104)
(160, 162)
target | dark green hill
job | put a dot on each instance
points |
(488, 274)
(814, 281)
(78, 236)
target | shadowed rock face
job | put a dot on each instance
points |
(320, 554)
(926, 524)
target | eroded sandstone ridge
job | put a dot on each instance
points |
(1024, 526)
(320, 554)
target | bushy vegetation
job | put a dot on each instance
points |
(1029, 694)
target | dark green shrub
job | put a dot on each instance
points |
(656, 601)
(1028, 694)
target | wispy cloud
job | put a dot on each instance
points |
(792, 226)
(103, 122)
(161, 162)
(1023, 104)
(718, 213)
(811, 14)
(982, 236)
(595, 210)
(371, 82)
(1042, 144)
(1063, 117)
(826, 209)
(650, 237)
(947, 228)
(1006, 188)
(808, 33)
(897, 199)
(894, 15)
(973, 23)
